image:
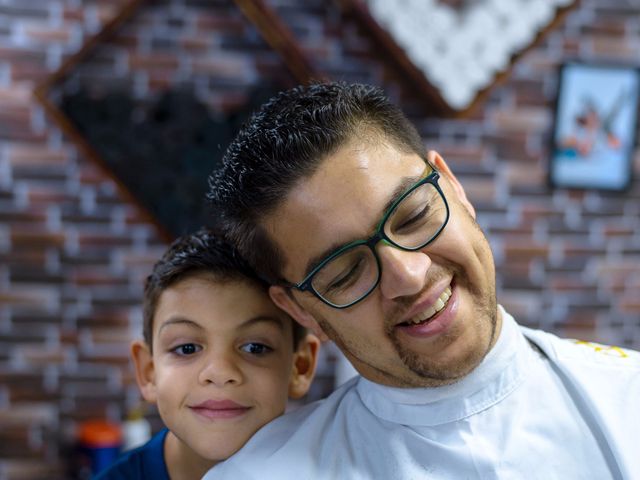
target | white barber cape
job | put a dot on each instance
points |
(537, 407)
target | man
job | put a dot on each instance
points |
(372, 243)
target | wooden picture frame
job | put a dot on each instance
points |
(595, 126)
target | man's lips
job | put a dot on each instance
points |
(219, 409)
(419, 326)
(427, 302)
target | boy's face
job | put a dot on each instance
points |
(222, 365)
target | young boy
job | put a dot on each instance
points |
(218, 358)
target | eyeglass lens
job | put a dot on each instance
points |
(413, 223)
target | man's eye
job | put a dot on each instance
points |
(255, 348)
(414, 218)
(186, 349)
(345, 280)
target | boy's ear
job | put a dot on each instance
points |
(305, 360)
(145, 372)
(285, 301)
(437, 161)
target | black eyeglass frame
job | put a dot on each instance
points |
(306, 284)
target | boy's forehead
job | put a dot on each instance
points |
(206, 301)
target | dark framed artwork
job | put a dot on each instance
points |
(595, 126)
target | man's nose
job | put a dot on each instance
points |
(221, 369)
(403, 272)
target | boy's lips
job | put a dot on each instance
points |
(219, 409)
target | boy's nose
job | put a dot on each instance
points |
(403, 272)
(220, 369)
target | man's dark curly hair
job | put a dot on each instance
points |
(285, 141)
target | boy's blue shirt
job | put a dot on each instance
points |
(144, 462)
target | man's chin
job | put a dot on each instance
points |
(451, 363)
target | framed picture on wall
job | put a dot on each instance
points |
(595, 126)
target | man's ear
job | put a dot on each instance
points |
(285, 301)
(437, 161)
(144, 368)
(305, 360)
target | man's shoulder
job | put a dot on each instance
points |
(575, 351)
(320, 412)
(297, 435)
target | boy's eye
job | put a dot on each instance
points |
(186, 349)
(256, 348)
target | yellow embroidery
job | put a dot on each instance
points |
(605, 349)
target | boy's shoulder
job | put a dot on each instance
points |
(146, 461)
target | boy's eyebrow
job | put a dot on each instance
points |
(278, 322)
(178, 321)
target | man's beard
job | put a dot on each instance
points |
(432, 373)
(435, 373)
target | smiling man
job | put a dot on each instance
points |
(370, 241)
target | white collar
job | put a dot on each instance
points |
(499, 374)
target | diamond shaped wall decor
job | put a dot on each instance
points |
(455, 52)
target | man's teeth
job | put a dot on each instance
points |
(433, 309)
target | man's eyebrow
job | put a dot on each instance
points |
(179, 321)
(405, 184)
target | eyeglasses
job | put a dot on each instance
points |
(352, 272)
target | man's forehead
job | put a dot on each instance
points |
(340, 202)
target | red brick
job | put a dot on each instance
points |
(47, 35)
(606, 26)
(227, 66)
(21, 54)
(39, 356)
(528, 119)
(117, 338)
(14, 442)
(523, 248)
(36, 156)
(15, 95)
(131, 41)
(207, 22)
(91, 239)
(118, 357)
(97, 277)
(35, 214)
(480, 191)
(107, 10)
(613, 231)
(36, 237)
(73, 13)
(33, 469)
(153, 61)
(110, 317)
(26, 296)
(630, 304)
(30, 72)
(611, 47)
(196, 43)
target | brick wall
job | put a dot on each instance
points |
(74, 250)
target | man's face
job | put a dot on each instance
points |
(383, 335)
